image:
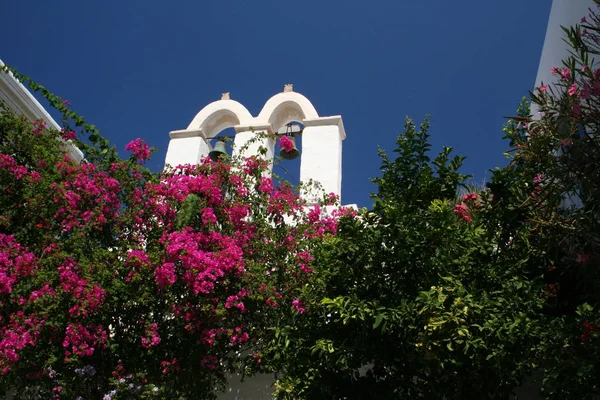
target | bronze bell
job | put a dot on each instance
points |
(219, 150)
(290, 155)
(290, 130)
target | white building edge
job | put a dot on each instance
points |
(563, 13)
(20, 100)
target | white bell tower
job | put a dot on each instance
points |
(321, 158)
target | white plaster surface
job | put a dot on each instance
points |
(186, 150)
(247, 142)
(321, 158)
(20, 100)
(563, 13)
(257, 387)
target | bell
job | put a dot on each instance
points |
(290, 130)
(293, 153)
(219, 150)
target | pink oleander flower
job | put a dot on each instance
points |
(586, 92)
(470, 197)
(555, 70)
(583, 20)
(543, 88)
(460, 209)
(286, 143)
(463, 212)
(566, 73)
(139, 149)
(572, 90)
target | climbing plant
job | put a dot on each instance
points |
(118, 283)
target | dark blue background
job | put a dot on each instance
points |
(144, 68)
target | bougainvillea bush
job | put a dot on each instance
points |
(117, 283)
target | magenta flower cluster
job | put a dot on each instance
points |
(286, 143)
(139, 149)
(117, 261)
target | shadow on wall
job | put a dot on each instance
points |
(258, 387)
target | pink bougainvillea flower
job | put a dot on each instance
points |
(298, 306)
(286, 143)
(266, 185)
(152, 338)
(68, 135)
(139, 149)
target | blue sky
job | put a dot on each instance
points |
(144, 68)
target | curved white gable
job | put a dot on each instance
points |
(285, 107)
(321, 158)
(220, 115)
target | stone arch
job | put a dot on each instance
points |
(220, 115)
(285, 107)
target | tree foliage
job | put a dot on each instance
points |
(444, 292)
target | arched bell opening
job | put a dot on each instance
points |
(221, 144)
(288, 148)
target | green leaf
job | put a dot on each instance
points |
(378, 321)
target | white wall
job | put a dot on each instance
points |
(563, 13)
(21, 101)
